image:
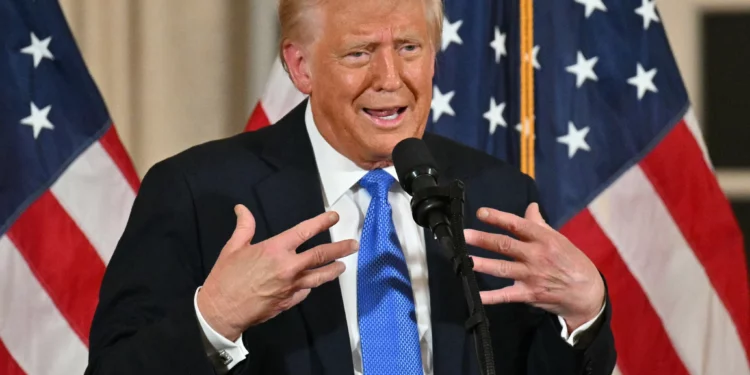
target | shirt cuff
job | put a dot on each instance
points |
(223, 353)
(573, 338)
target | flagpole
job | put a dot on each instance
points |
(528, 164)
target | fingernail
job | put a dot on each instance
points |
(333, 217)
(355, 245)
(483, 213)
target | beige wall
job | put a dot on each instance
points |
(682, 20)
(176, 73)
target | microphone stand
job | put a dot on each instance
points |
(451, 237)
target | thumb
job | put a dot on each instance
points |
(533, 214)
(245, 229)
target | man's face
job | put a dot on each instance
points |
(371, 71)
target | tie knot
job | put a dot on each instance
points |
(377, 182)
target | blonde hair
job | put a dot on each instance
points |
(293, 14)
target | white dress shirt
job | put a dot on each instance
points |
(339, 178)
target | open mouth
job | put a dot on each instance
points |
(385, 115)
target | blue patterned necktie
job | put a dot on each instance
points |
(385, 302)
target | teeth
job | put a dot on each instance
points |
(381, 114)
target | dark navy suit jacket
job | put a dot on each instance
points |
(145, 322)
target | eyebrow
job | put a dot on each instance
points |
(370, 44)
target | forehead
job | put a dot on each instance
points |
(351, 18)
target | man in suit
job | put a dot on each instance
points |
(321, 270)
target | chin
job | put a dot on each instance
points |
(376, 141)
(381, 146)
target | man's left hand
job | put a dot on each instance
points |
(549, 271)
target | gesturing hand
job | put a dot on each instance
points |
(251, 284)
(549, 271)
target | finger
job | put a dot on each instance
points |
(324, 254)
(314, 278)
(500, 268)
(297, 298)
(534, 214)
(523, 228)
(296, 236)
(497, 243)
(244, 230)
(511, 294)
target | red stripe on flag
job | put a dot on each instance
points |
(258, 119)
(8, 365)
(110, 141)
(642, 343)
(691, 193)
(62, 259)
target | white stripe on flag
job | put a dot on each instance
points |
(97, 197)
(33, 330)
(633, 216)
(280, 96)
(692, 124)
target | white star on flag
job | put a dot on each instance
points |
(592, 5)
(534, 57)
(583, 69)
(450, 33)
(644, 81)
(441, 103)
(38, 119)
(38, 49)
(575, 139)
(499, 45)
(647, 10)
(495, 115)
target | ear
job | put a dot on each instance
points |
(297, 61)
(433, 67)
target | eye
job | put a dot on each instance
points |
(356, 58)
(410, 49)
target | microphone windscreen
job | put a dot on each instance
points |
(409, 155)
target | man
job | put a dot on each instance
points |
(184, 293)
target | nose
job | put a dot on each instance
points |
(387, 71)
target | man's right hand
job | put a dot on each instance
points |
(251, 284)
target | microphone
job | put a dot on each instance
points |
(418, 175)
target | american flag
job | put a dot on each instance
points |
(620, 162)
(66, 189)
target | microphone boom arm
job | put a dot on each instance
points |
(431, 206)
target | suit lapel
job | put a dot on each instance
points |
(288, 197)
(448, 307)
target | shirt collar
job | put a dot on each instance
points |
(337, 173)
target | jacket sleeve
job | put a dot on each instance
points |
(549, 354)
(593, 355)
(145, 322)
